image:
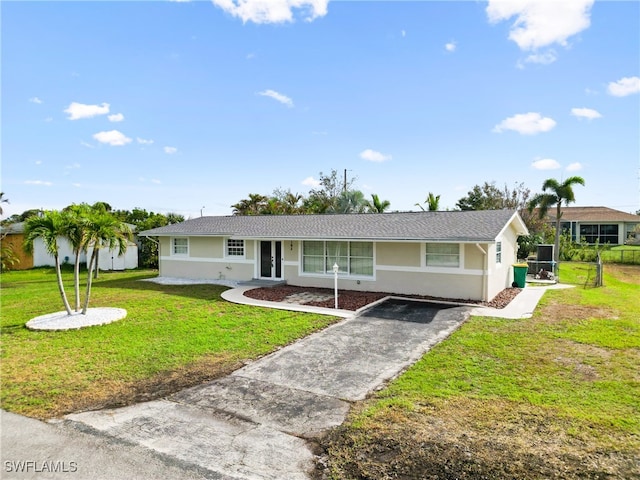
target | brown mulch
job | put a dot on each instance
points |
(353, 300)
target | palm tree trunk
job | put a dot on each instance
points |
(61, 286)
(89, 278)
(76, 279)
(556, 248)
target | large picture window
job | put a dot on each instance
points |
(180, 246)
(443, 255)
(235, 248)
(353, 258)
(602, 234)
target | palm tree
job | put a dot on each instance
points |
(48, 226)
(2, 200)
(76, 233)
(432, 201)
(351, 201)
(555, 193)
(378, 206)
(103, 230)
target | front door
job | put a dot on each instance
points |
(271, 259)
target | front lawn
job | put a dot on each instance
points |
(556, 396)
(173, 337)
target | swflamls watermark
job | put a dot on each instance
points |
(49, 466)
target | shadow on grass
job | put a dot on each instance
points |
(202, 291)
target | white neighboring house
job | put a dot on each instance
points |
(464, 255)
(107, 259)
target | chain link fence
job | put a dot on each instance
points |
(585, 274)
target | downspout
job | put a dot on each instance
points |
(485, 266)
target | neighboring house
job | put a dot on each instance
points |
(601, 224)
(465, 255)
(13, 235)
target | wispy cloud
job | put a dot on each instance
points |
(113, 138)
(35, 100)
(625, 86)
(87, 145)
(273, 11)
(116, 117)
(546, 164)
(574, 167)
(41, 183)
(540, 23)
(373, 156)
(143, 141)
(311, 182)
(170, 150)
(588, 113)
(529, 123)
(451, 46)
(277, 96)
(544, 58)
(77, 110)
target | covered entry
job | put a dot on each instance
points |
(271, 259)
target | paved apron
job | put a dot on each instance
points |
(253, 424)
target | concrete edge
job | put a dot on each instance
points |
(236, 295)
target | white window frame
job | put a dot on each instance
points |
(174, 247)
(344, 258)
(239, 246)
(499, 253)
(441, 266)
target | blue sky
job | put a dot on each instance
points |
(176, 106)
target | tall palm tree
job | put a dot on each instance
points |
(432, 201)
(2, 200)
(378, 206)
(351, 201)
(555, 193)
(103, 230)
(48, 226)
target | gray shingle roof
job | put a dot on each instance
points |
(467, 226)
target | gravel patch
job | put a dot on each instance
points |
(64, 321)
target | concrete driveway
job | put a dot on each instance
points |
(256, 422)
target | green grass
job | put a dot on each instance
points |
(570, 372)
(173, 336)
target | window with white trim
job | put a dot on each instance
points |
(235, 247)
(443, 255)
(180, 246)
(498, 252)
(353, 258)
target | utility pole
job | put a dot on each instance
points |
(345, 180)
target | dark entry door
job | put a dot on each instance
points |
(271, 259)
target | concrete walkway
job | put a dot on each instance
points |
(257, 423)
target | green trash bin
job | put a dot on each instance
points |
(520, 275)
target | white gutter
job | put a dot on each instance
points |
(485, 294)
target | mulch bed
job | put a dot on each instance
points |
(353, 300)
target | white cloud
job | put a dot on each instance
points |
(450, 47)
(625, 86)
(546, 164)
(526, 123)
(113, 138)
(85, 144)
(273, 11)
(38, 182)
(116, 117)
(310, 182)
(588, 113)
(373, 156)
(72, 166)
(77, 110)
(403, 33)
(35, 100)
(540, 23)
(170, 150)
(574, 167)
(143, 141)
(544, 58)
(156, 181)
(38, 162)
(277, 96)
